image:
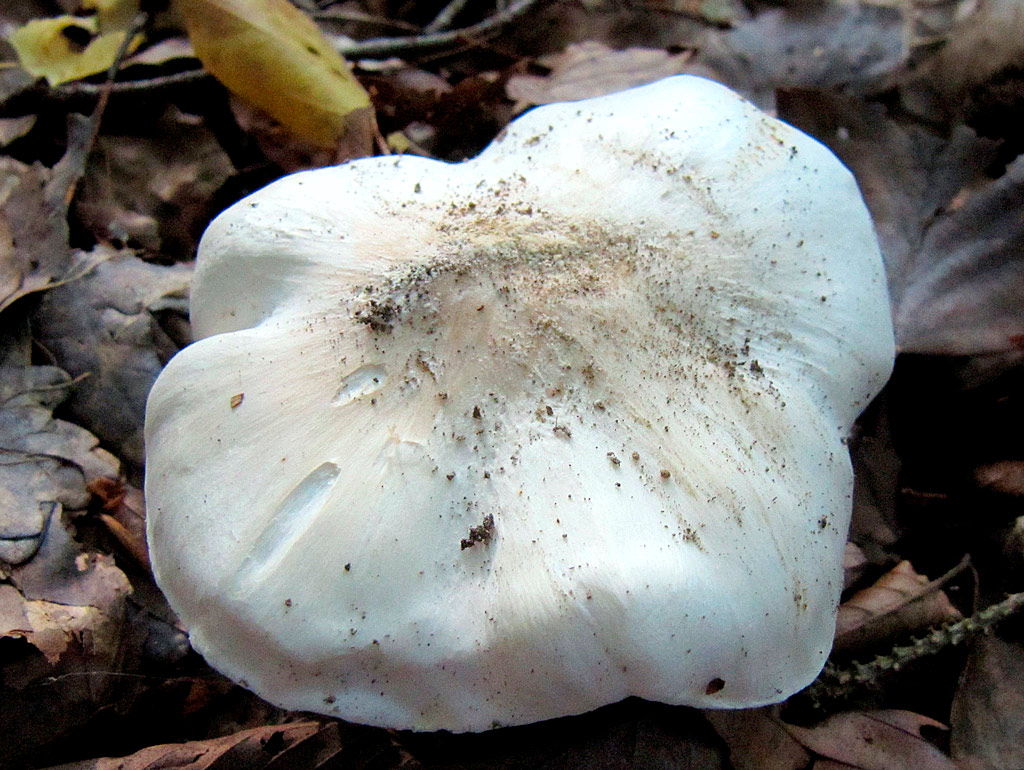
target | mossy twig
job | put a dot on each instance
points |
(838, 683)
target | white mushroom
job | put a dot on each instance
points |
(482, 444)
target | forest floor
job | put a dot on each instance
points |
(108, 180)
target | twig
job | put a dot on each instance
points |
(71, 90)
(101, 104)
(444, 19)
(358, 17)
(388, 46)
(836, 683)
(382, 46)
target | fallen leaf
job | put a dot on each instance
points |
(124, 515)
(291, 152)
(112, 14)
(15, 128)
(757, 740)
(27, 217)
(44, 462)
(719, 12)
(292, 746)
(987, 38)
(589, 69)
(154, 189)
(62, 605)
(251, 749)
(874, 525)
(855, 47)
(988, 709)
(897, 604)
(1006, 477)
(274, 57)
(67, 47)
(34, 253)
(854, 564)
(950, 235)
(62, 595)
(104, 326)
(875, 740)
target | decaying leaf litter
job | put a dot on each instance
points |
(107, 184)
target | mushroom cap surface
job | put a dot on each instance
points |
(481, 444)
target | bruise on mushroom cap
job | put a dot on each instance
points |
(429, 350)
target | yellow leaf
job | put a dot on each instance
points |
(273, 56)
(50, 48)
(398, 142)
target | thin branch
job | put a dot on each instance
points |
(382, 46)
(444, 19)
(358, 17)
(71, 90)
(836, 683)
(96, 117)
(389, 46)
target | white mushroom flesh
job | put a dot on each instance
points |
(479, 444)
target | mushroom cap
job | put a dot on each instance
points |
(481, 444)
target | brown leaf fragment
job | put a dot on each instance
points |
(12, 612)
(33, 247)
(988, 710)
(949, 233)
(252, 749)
(15, 128)
(44, 462)
(124, 516)
(153, 189)
(854, 564)
(757, 740)
(589, 69)
(34, 253)
(987, 38)
(295, 153)
(105, 325)
(875, 740)
(898, 603)
(1006, 477)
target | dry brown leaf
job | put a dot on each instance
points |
(15, 128)
(69, 598)
(154, 188)
(875, 740)
(1006, 477)
(898, 603)
(589, 69)
(249, 749)
(34, 253)
(854, 564)
(56, 595)
(757, 740)
(292, 152)
(986, 39)
(988, 709)
(949, 232)
(104, 328)
(124, 515)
